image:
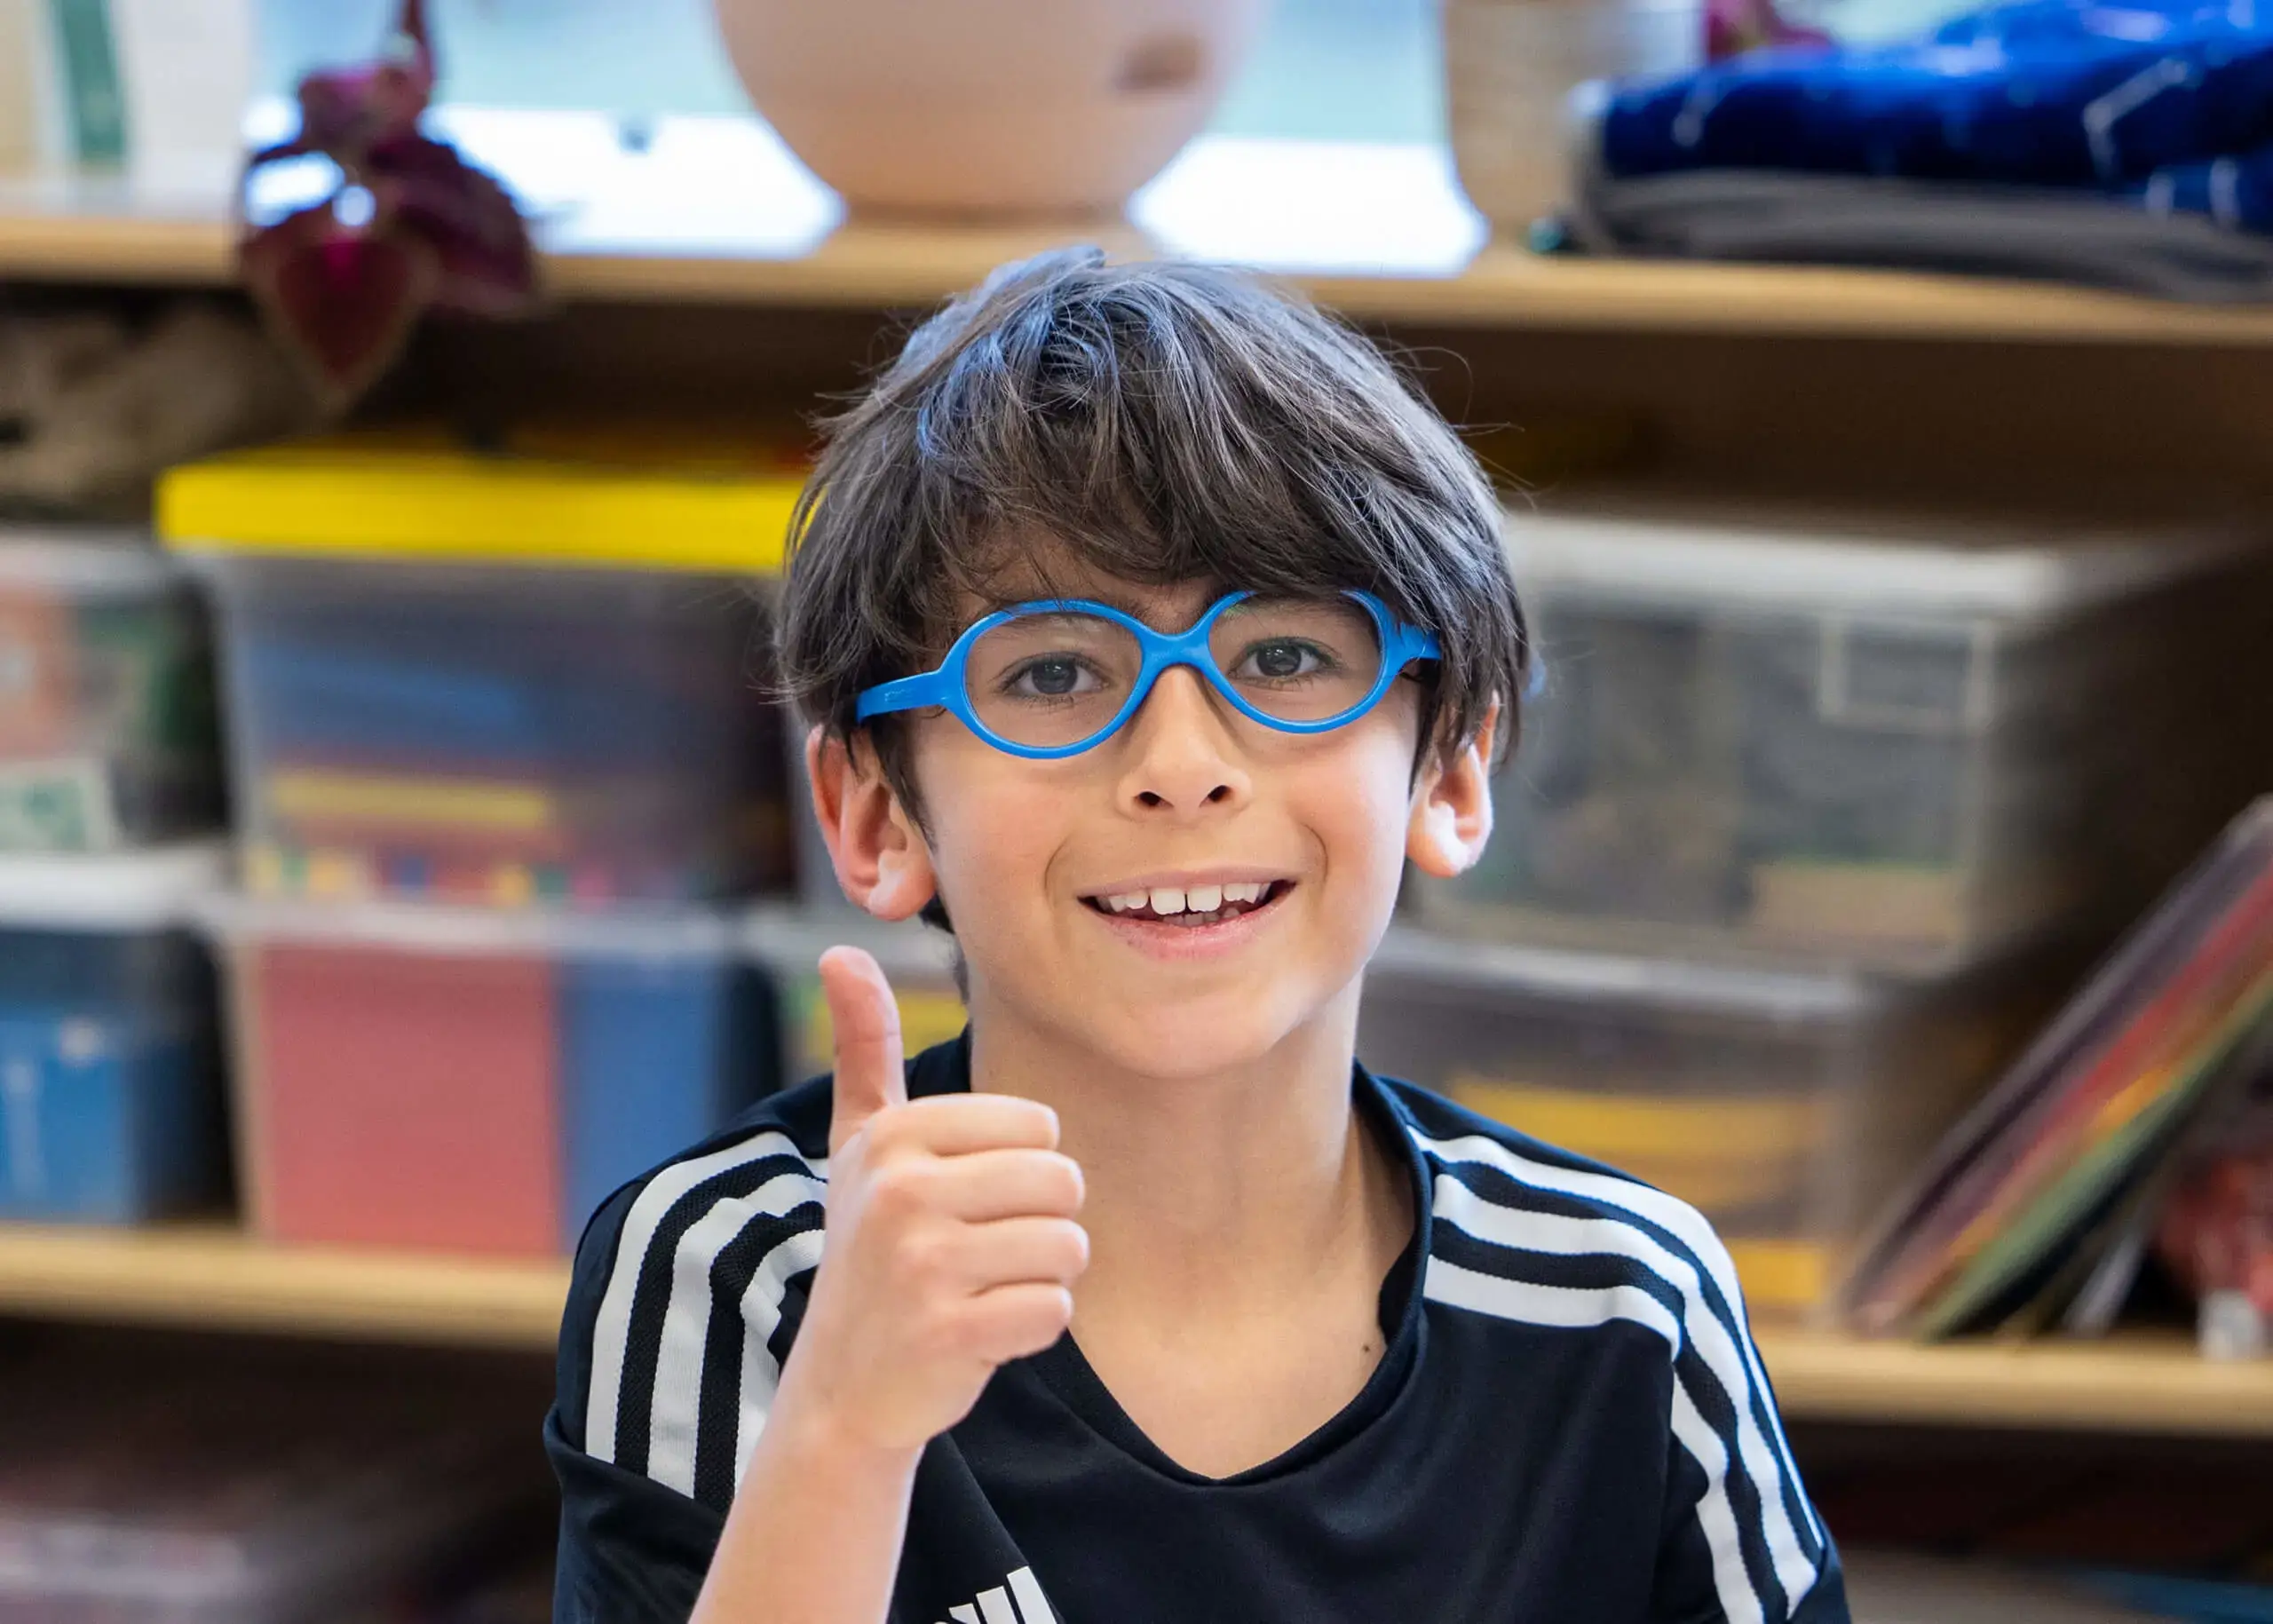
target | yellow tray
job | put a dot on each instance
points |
(702, 505)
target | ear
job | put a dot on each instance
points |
(1451, 818)
(879, 855)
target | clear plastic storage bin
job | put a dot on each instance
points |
(111, 1105)
(1784, 1104)
(476, 1079)
(787, 944)
(1909, 740)
(107, 737)
(496, 679)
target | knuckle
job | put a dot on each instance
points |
(921, 1256)
(940, 1333)
(900, 1187)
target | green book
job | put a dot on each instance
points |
(94, 100)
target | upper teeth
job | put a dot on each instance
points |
(1198, 899)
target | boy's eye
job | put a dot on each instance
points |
(1053, 676)
(1282, 660)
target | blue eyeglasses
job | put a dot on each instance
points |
(1059, 676)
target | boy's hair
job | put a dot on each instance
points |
(1163, 423)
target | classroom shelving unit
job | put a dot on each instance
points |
(56, 235)
(711, 211)
(706, 249)
(213, 1275)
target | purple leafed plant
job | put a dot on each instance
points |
(1734, 27)
(409, 226)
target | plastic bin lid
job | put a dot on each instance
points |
(82, 561)
(146, 889)
(1880, 564)
(789, 939)
(661, 505)
(650, 932)
(1833, 995)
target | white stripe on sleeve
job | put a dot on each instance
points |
(612, 1329)
(678, 1397)
(761, 1312)
(1523, 1230)
(1684, 1221)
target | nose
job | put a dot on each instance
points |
(1178, 756)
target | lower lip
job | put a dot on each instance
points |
(1162, 940)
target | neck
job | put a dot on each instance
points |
(1241, 1181)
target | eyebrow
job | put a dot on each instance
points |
(1112, 596)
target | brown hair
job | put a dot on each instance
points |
(1164, 423)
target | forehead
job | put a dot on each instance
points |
(1042, 570)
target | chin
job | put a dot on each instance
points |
(1178, 1039)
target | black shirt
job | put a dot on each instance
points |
(1569, 1421)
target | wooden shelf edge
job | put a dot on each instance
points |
(217, 1277)
(882, 267)
(214, 1277)
(123, 249)
(2131, 1383)
(1503, 288)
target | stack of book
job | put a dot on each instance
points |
(2038, 1208)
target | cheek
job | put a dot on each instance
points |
(993, 820)
(1358, 804)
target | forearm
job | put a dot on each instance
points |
(815, 1532)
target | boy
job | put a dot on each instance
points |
(1150, 625)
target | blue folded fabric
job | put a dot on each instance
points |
(2162, 105)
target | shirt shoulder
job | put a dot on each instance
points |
(674, 1331)
(1525, 1199)
(1521, 1232)
(689, 1286)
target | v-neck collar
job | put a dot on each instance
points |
(1067, 1371)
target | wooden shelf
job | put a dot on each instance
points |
(2131, 1383)
(215, 1277)
(714, 211)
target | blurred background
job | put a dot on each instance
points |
(400, 411)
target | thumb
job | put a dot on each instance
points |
(866, 1023)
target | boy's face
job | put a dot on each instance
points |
(1037, 860)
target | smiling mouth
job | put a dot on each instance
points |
(1197, 905)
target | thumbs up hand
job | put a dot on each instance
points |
(950, 1246)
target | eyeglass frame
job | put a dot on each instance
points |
(945, 688)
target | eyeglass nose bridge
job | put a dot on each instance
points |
(1189, 649)
(1193, 647)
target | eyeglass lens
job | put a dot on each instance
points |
(1050, 680)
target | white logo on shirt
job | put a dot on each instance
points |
(1017, 1600)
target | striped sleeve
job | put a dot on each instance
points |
(697, 1302)
(1556, 1242)
(687, 1290)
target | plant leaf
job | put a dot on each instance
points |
(342, 301)
(480, 241)
(346, 111)
(1735, 27)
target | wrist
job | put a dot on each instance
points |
(820, 1435)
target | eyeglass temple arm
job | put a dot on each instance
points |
(905, 694)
